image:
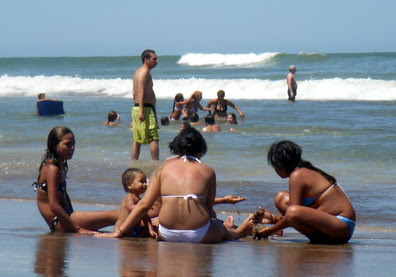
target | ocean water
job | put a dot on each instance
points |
(344, 119)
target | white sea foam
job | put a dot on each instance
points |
(326, 89)
(243, 60)
(303, 53)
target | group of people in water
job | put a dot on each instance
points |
(178, 201)
(187, 110)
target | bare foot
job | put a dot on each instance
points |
(229, 222)
(246, 228)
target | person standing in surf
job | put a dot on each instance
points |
(291, 83)
(144, 117)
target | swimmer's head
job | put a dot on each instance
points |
(41, 96)
(292, 68)
(128, 177)
(232, 119)
(112, 116)
(197, 95)
(165, 121)
(209, 119)
(194, 117)
(179, 97)
(221, 94)
(188, 142)
(184, 125)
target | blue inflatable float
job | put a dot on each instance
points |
(49, 108)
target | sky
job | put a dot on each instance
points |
(48, 28)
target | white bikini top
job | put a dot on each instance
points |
(186, 197)
(186, 157)
(191, 195)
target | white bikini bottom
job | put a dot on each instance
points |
(183, 235)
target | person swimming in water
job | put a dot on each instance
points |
(193, 105)
(178, 106)
(220, 106)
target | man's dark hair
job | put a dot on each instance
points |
(146, 54)
(209, 119)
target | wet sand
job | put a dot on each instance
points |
(29, 249)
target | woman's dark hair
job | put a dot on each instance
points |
(178, 97)
(188, 142)
(55, 136)
(234, 117)
(287, 154)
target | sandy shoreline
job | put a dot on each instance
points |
(28, 249)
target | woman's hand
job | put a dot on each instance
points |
(265, 232)
(153, 234)
(232, 199)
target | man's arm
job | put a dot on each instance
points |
(141, 82)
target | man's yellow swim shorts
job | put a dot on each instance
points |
(146, 131)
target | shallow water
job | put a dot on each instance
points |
(352, 140)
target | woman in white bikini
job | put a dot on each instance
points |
(188, 190)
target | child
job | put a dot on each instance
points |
(178, 105)
(211, 127)
(194, 104)
(111, 118)
(135, 183)
(52, 199)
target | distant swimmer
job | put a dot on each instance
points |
(112, 117)
(291, 83)
(144, 117)
(220, 105)
(193, 105)
(211, 127)
(48, 107)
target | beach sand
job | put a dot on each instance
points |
(29, 249)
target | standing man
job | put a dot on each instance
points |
(144, 117)
(291, 83)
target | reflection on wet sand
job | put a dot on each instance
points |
(51, 251)
(319, 260)
(146, 257)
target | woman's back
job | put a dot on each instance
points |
(188, 190)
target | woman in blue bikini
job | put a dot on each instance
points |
(315, 204)
(187, 188)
